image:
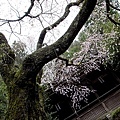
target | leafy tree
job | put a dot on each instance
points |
(19, 49)
(22, 86)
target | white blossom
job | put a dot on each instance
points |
(66, 80)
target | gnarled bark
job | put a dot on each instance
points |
(21, 83)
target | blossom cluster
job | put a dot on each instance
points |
(99, 47)
(66, 80)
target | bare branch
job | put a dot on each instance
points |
(15, 10)
(26, 14)
(66, 13)
(113, 7)
(112, 20)
(46, 54)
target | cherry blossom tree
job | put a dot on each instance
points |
(21, 82)
(65, 78)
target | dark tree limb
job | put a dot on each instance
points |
(34, 62)
(108, 5)
(66, 13)
(113, 6)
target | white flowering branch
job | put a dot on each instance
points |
(66, 80)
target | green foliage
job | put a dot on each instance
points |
(19, 50)
(75, 47)
(113, 44)
(82, 36)
(116, 114)
(3, 99)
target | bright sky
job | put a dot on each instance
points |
(30, 30)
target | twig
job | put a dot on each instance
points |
(108, 11)
(20, 18)
(66, 13)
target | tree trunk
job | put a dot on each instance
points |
(24, 103)
(23, 96)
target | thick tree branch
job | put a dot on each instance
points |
(34, 62)
(66, 13)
